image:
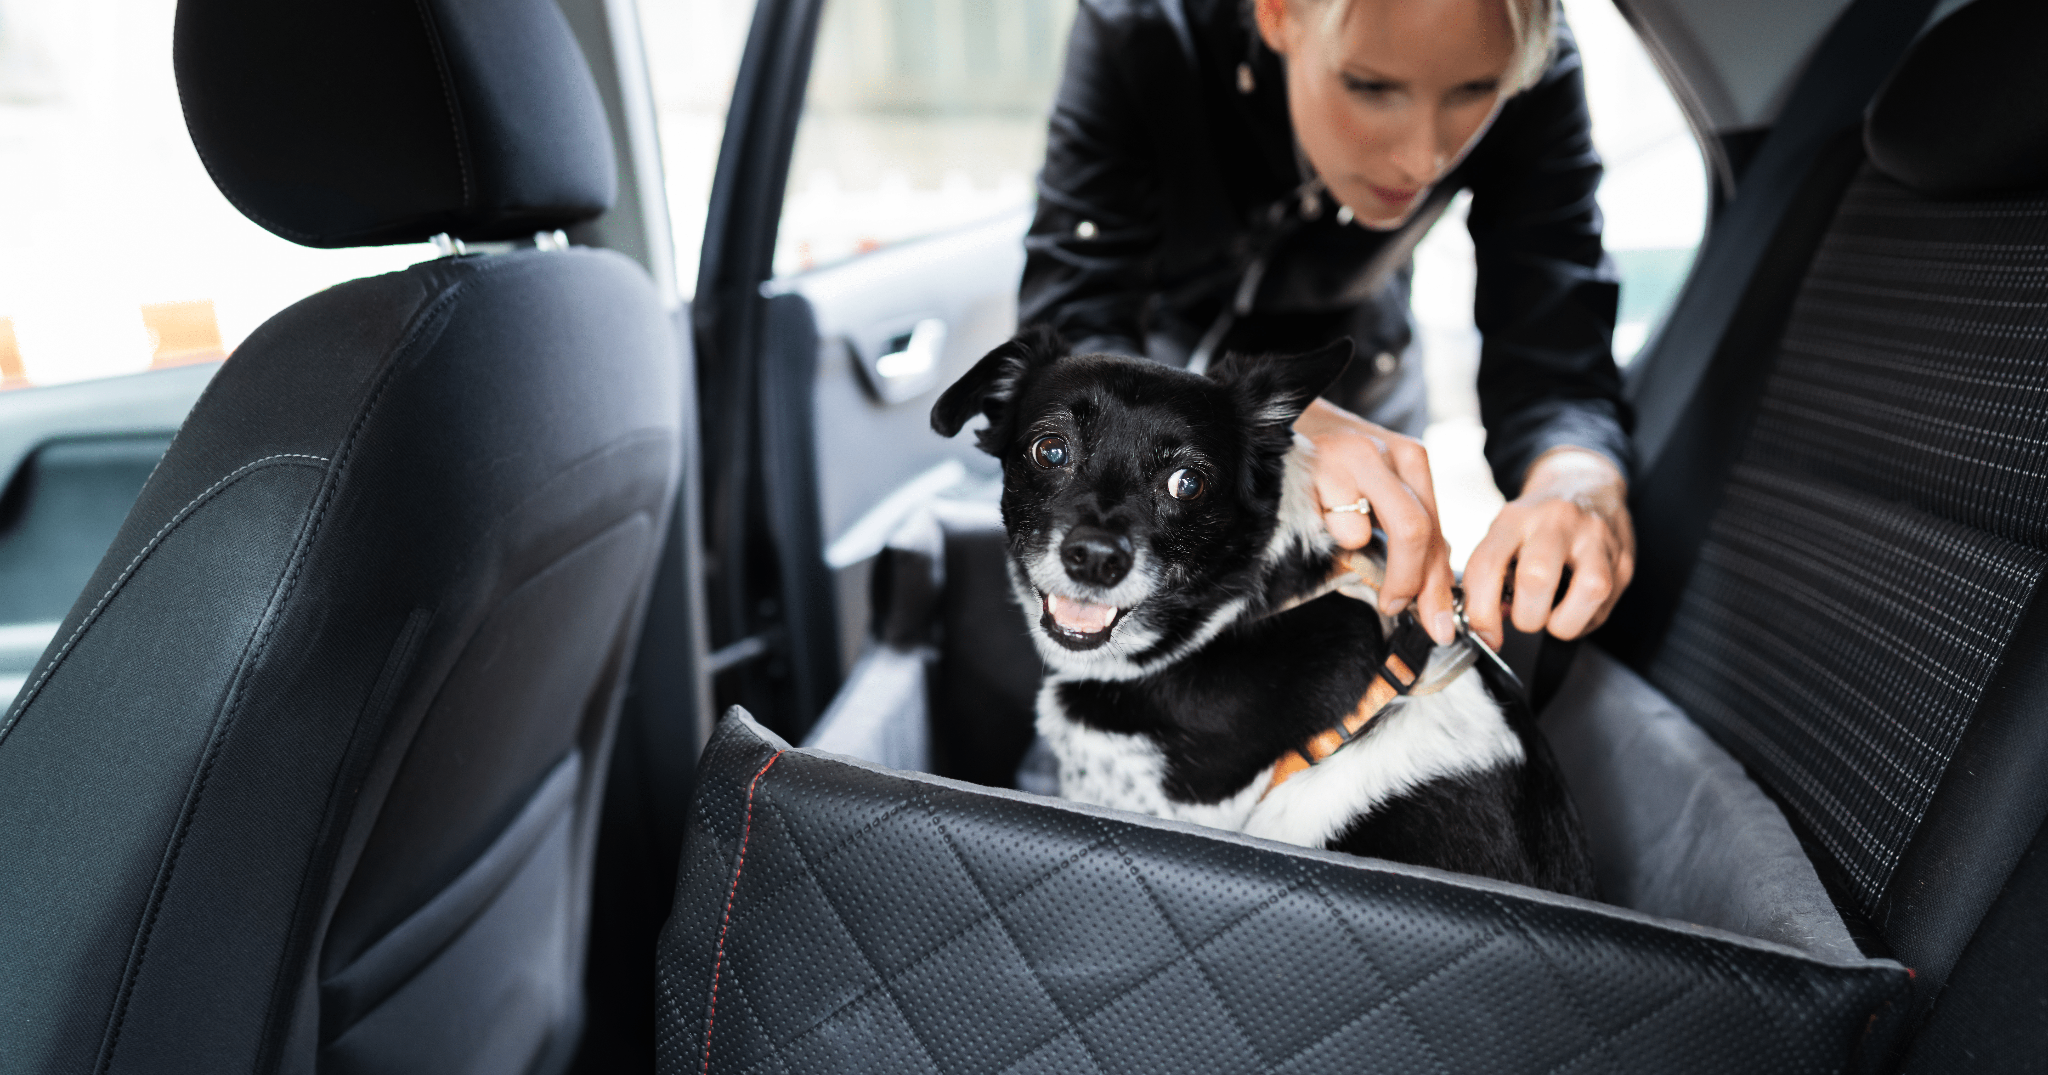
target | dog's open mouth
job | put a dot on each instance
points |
(1077, 624)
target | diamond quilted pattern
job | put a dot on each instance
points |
(1381, 1039)
(869, 1035)
(1089, 931)
(888, 924)
(791, 997)
(1008, 854)
(836, 816)
(1172, 1021)
(1236, 881)
(901, 888)
(1063, 1055)
(1536, 1032)
(1291, 974)
(1617, 986)
(1407, 947)
(742, 1042)
(974, 1004)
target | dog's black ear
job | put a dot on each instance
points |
(992, 383)
(1277, 388)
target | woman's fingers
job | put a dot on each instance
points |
(1336, 488)
(1486, 572)
(1539, 565)
(1411, 533)
(1356, 459)
(1433, 607)
(1592, 591)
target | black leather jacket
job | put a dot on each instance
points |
(1164, 182)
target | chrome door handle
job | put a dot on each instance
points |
(909, 363)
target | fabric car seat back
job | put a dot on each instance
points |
(1863, 626)
(309, 777)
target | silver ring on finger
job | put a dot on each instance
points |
(1359, 506)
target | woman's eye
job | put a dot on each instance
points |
(1049, 451)
(1185, 484)
(1371, 87)
(1475, 91)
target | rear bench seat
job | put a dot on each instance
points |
(1820, 754)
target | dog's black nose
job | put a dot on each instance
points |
(1096, 556)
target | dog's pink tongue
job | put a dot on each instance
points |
(1079, 617)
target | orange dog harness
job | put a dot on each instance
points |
(1398, 677)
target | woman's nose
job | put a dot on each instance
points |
(1416, 154)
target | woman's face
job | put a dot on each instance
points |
(1387, 101)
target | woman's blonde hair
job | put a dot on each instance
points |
(1532, 24)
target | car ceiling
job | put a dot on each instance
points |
(1733, 61)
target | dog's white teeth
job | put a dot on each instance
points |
(1080, 617)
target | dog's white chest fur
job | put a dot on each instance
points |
(1454, 732)
(1128, 772)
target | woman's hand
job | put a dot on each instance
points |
(1355, 460)
(1573, 513)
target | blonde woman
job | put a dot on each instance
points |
(1238, 175)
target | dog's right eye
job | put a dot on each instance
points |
(1049, 451)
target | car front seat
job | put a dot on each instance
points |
(308, 779)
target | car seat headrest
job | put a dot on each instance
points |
(365, 122)
(1966, 113)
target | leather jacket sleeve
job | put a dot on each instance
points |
(1127, 183)
(1546, 294)
(1089, 252)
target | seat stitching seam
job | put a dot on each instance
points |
(455, 125)
(224, 719)
(1396, 998)
(881, 981)
(1633, 1025)
(120, 580)
(1564, 984)
(1365, 952)
(402, 350)
(731, 893)
(754, 1018)
(1188, 950)
(1002, 924)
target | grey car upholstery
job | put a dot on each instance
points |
(1827, 737)
(836, 917)
(308, 779)
(1850, 597)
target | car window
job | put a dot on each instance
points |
(119, 253)
(693, 54)
(1654, 199)
(922, 116)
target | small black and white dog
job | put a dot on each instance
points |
(1166, 540)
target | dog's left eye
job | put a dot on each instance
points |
(1185, 484)
(1049, 451)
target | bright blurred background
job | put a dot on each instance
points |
(924, 116)
(118, 254)
(116, 251)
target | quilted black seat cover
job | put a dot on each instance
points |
(831, 916)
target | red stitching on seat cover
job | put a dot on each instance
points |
(718, 960)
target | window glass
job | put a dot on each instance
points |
(921, 116)
(1654, 198)
(117, 253)
(693, 55)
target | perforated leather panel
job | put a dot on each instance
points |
(1883, 531)
(836, 918)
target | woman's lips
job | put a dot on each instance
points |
(1393, 195)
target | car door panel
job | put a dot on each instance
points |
(72, 459)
